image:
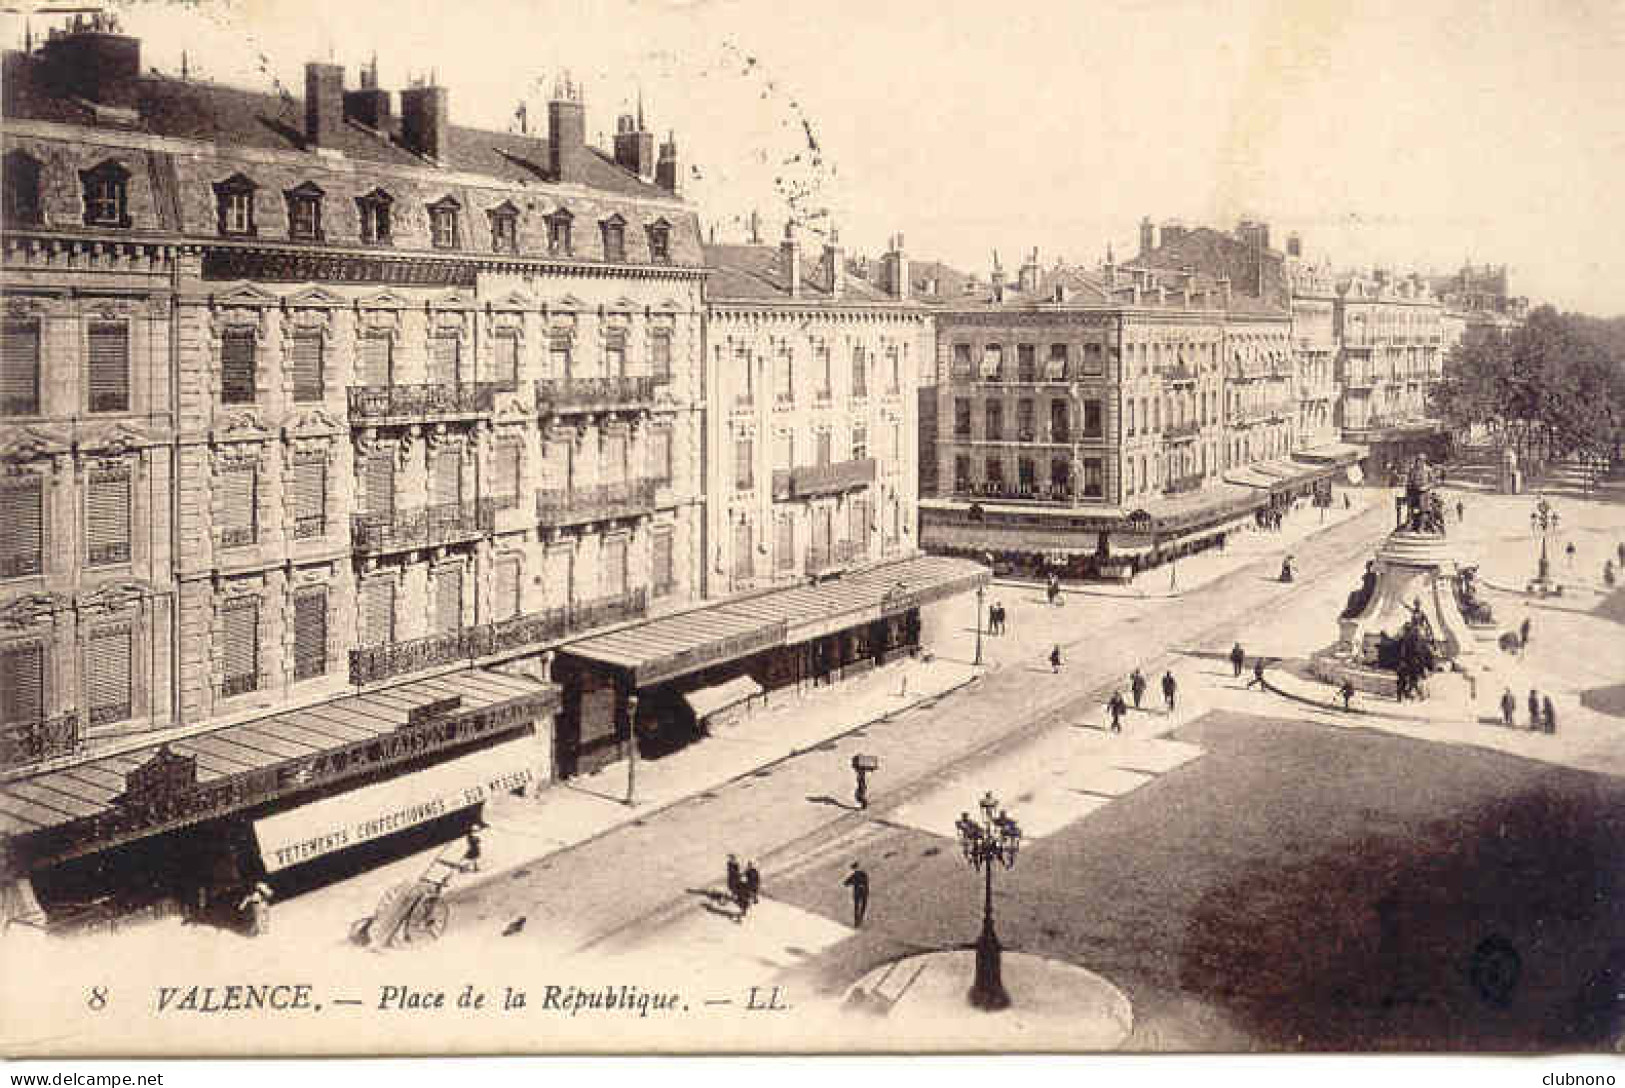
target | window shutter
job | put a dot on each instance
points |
(307, 367)
(448, 599)
(377, 612)
(743, 456)
(744, 562)
(109, 366)
(660, 454)
(505, 487)
(380, 485)
(237, 366)
(107, 676)
(107, 517)
(660, 355)
(507, 358)
(309, 497)
(22, 684)
(559, 356)
(784, 544)
(664, 572)
(444, 357)
(309, 634)
(22, 545)
(241, 631)
(238, 486)
(446, 479)
(615, 572)
(507, 588)
(19, 368)
(614, 458)
(375, 359)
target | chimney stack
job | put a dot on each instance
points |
(425, 121)
(324, 103)
(1172, 231)
(791, 249)
(834, 264)
(1027, 275)
(1148, 236)
(894, 272)
(94, 62)
(635, 144)
(666, 167)
(566, 132)
(997, 278)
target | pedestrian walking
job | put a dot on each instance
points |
(736, 886)
(1170, 688)
(1117, 706)
(1523, 635)
(1136, 685)
(256, 909)
(860, 793)
(1509, 707)
(1534, 710)
(1237, 657)
(1569, 553)
(473, 848)
(858, 881)
(1053, 590)
(1055, 658)
(1461, 511)
(1003, 618)
(1347, 692)
(1548, 715)
(753, 883)
(1621, 552)
(1608, 578)
(1258, 674)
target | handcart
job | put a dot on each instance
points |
(412, 912)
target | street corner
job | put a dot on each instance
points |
(923, 1002)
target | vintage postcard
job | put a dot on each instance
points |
(650, 526)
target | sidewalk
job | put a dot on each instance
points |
(1248, 545)
(525, 830)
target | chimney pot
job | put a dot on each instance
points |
(95, 63)
(425, 121)
(566, 132)
(666, 166)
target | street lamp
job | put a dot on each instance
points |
(979, 591)
(994, 840)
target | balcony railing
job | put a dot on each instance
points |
(17, 566)
(989, 489)
(575, 505)
(1182, 484)
(383, 403)
(22, 743)
(311, 525)
(593, 394)
(238, 536)
(1180, 431)
(839, 554)
(807, 481)
(422, 526)
(370, 664)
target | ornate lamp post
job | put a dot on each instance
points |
(991, 841)
(979, 591)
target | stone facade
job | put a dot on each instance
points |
(1391, 353)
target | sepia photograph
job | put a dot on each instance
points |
(713, 527)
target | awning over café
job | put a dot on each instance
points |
(670, 646)
(707, 701)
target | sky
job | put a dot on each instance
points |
(1408, 135)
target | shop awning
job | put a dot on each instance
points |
(1278, 475)
(707, 701)
(671, 646)
(104, 801)
(371, 812)
(1333, 453)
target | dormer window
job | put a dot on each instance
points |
(660, 241)
(375, 217)
(305, 213)
(504, 228)
(558, 232)
(614, 229)
(443, 222)
(234, 205)
(106, 191)
(21, 176)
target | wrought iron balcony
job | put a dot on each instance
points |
(22, 743)
(807, 481)
(422, 526)
(374, 404)
(559, 395)
(575, 505)
(1181, 431)
(1183, 484)
(370, 664)
(840, 554)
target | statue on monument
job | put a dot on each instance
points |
(1423, 508)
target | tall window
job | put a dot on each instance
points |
(310, 633)
(614, 231)
(1093, 481)
(445, 358)
(784, 542)
(1093, 427)
(615, 353)
(377, 611)
(446, 478)
(663, 570)
(860, 371)
(20, 172)
(995, 471)
(1060, 477)
(784, 375)
(376, 365)
(240, 631)
(894, 370)
(1024, 420)
(961, 472)
(745, 368)
(961, 417)
(660, 455)
(660, 241)
(109, 369)
(993, 363)
(234, 205)
(559, 356)
(615, 572)
(821, 448)
(1128, 409)
(22, 684)
(505, 361)
(107, 675)
(994, 430)
(1026, 476)
(237, 359)
(558, 233)
(443, 223)
(860, 442)
(106, 193)
(660, 355)
(19, 368)
(238, 489)
(448, 598)
(744, 465)
(309, 496)
(744, 560)
(376, 208)
(1026, 363)
(504, 228)
(1092, 360)
(505, 477)
(961, 361)
(107, 516)
(506, 605)
(304, 213)
(22, 545)
(823, 365)
(1055, 368)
